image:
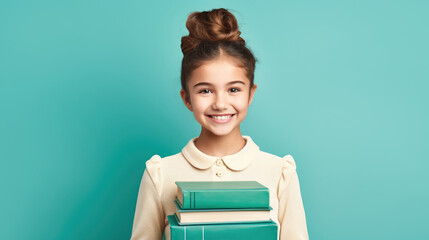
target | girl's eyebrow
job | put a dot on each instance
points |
(209, 84)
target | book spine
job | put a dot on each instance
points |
(266, 231)
(187, 199)
(226, 199)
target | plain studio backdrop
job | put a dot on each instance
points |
(89, 90)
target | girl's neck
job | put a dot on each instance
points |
(219, 146)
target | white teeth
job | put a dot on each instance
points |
(221, 117)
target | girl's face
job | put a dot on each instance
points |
(219, 95)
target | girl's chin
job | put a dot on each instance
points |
(220, 132)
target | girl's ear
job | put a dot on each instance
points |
(252, 93)
(186, 100)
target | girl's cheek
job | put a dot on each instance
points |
(242, 103)
(202, 103)
(204, 100)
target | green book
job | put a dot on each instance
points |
(220, 215)
(232, 231)
(223, 194)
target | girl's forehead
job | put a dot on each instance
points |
(218, 71)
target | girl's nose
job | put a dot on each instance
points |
(220, 102)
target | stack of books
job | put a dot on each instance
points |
(228, 210)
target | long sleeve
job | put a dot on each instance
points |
(291, 210)
(149, 216)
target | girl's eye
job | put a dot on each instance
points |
(205, 91)
(235, 90)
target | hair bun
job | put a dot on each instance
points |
(210, 26)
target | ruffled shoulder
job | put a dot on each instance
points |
(153, 168)
(288, 171)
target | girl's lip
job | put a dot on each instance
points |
(226, 114)
(219, 120)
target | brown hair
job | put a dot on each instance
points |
(212, 34)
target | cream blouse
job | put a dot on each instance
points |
(158, 189)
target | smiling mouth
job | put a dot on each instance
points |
(224, 117)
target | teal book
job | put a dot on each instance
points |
(223, 194)
(235, 231)
(230, 215)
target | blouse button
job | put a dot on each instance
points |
(219, 162)
(219, 174)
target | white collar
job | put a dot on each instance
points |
(237, 161)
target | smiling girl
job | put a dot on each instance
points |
(218, 87)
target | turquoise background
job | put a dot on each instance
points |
(89, 90)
